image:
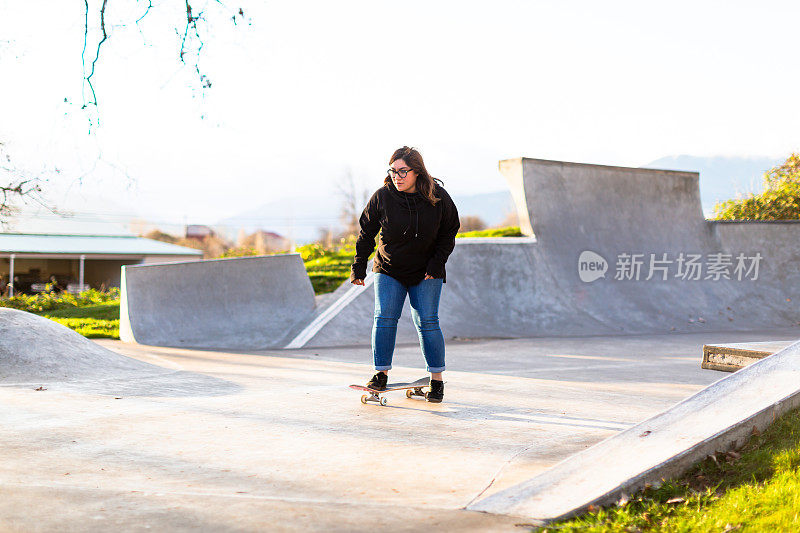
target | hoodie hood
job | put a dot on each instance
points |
(407, 200)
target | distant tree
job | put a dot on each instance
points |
(241, 238)
(471, 223)
(158, 235)
(211, 245)
(191, 27)
(325, 237)
(511, 219)
(15, 184)
(259, 243)
(780, 199)
(353, 198)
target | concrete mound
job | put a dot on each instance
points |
(34, 349)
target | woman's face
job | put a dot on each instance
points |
(403, 184)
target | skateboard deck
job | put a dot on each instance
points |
(412, 389)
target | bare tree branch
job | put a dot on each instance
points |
(100, 43)
(18, 185)
(191, 25)
(146, 11)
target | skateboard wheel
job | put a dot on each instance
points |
(383, 401)
(364, 399)
(409, 394)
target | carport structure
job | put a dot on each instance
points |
(79, 261)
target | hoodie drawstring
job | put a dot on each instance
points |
(416, 212)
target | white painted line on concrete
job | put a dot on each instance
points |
(161, 361)
(326, 316)
(570, 421)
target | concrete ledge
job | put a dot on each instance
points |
(735, 356)
(720, 417)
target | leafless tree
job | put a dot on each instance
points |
(192, 32)
(353, 197)
(15, 184)
(472, 223)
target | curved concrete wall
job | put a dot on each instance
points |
(613, 211)
(533, 286)
(238, 303)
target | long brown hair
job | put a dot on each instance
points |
(425, 182)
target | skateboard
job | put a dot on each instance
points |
(412, 389)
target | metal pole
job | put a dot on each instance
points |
(11, 277)
(80, 279)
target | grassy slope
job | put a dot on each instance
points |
(92, 321)
(756, 489)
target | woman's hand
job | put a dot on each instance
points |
(428, 276)
(357, 282)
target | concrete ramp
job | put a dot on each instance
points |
(664, 267)
(238, 303)
(610, 250)
(718, 418)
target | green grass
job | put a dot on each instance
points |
(328, 272)
(51, 301)
(92, 313)
(511, 231)
(89, 327)
(94, 321)
(102, 311)
(754, 490)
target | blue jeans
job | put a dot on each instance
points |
(390, 295)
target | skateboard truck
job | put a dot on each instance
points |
(416, 391)
(374, 397)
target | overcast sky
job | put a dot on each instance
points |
(310, 89)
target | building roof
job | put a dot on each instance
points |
(42, 222)
(88, 244)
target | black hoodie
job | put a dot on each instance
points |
(416, 237)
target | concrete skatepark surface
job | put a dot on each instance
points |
(276, 440)
(250, 437)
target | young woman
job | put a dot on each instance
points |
(418, 222)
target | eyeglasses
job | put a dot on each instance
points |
(403, 172)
